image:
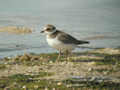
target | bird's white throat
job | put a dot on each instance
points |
(54, 42)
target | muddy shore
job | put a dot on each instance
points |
(98, 68)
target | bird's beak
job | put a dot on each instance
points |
(42, 32)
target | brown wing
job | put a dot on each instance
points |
(68, 39)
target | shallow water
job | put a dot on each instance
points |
(82, 19)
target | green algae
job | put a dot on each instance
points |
(29, 82)
(2, 66)
(24, 82)
(21, 81)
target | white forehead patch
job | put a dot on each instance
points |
(44, 28)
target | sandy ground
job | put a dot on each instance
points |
(16, 30)
(79, 65)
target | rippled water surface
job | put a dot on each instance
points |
(98, 21)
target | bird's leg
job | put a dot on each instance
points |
(70, 54)
(66, 54)
(59, 55)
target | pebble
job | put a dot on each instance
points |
(50, 62)
(90, 69)
(53, 89)
(36, 86)
(24, 87)
(59, 83)
(9, 57)
(46, 88)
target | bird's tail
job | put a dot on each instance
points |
(83, 42)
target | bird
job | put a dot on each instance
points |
(60, 40)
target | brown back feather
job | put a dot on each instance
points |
(66, 38)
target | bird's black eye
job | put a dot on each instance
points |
(48, 29)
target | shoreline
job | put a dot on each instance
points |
(100, 65)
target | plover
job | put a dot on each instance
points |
(60, 40)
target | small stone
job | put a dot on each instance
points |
(24, 87)
(5, 63)
(50, 62)
(43, 63)
(15, 83)
(93, 79)
(92, 63)
(68, 86)
(106, 72)
(36, 86)
(46, 88)
(53, 89)
(9, 57)
(90, 69)
(59, 83)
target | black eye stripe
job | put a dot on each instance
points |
(48, 29)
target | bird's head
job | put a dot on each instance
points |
(49, 29)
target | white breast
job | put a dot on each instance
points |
(55, 43)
